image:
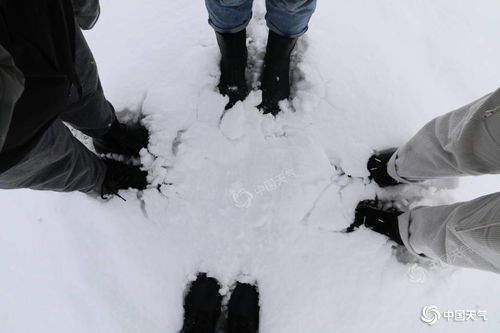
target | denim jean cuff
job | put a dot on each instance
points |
(229, 31)
(274, 29)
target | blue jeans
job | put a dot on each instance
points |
(288, 18)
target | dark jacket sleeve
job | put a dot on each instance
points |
(11, 89)
(87, 13)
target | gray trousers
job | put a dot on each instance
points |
(459, 143)
(58, 161)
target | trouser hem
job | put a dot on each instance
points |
(230, 30)
(97, 188)
(275, 29)
(392, 169)
(404, 223)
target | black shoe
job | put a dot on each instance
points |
(243, 310)
(276, 75)
(121, 176)
(377, 166)
(202, 306)
(233, 49)
(122, 139)
(372, 215)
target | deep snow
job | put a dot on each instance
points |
(255, 198)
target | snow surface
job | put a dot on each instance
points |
(254, 198)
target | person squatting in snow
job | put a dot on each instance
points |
(48, 76)
(460, 143)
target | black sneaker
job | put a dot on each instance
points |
(122, 139)
(372, 215)
(276, 75)
(377, 166)
(243, 310)
(121, 176)
(202, 306)
(233, 49)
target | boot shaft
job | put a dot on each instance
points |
(275, 83)
(202, 306)
(233, 46)
(243, 310)
(233, 64)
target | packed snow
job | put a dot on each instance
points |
(248, 197)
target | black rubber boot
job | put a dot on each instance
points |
(202, 306)
(243, 310)
(276, 75)
(121, 176)
(122, 139)
(372, 215)
(233, 49)
(377, 166)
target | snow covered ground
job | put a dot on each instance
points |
(255, 198)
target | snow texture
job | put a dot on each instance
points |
(251, 198)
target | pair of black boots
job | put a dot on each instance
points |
(275, 82)
(379, 216)
(123, 140)
(203, 308)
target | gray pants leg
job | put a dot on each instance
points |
(462, 142)
(58, 161)
(465, 234)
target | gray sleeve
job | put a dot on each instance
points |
(87, 13)
(11, 89)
